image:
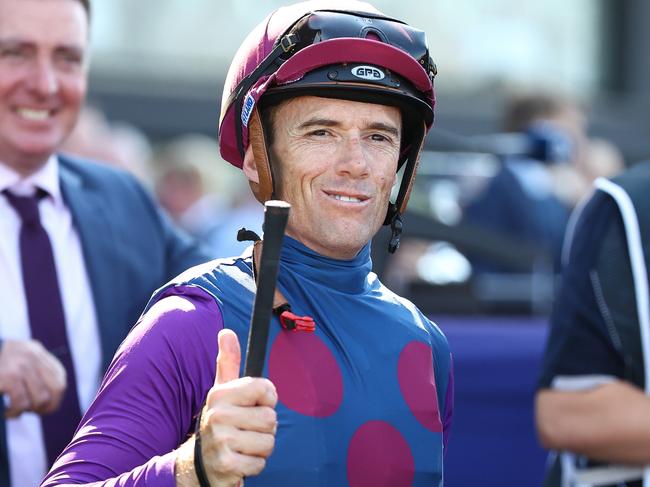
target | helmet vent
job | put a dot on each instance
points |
(372, 35)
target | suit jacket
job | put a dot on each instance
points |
(506, 207)
(130, 248)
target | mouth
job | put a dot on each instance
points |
(347, 197)
(34, 114)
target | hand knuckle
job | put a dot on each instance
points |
(216, 416)
(223, 438)
(267, 417)
(257, 466)
(258, 387)
(269, 445)
(227, 462)
(273, 416)
(270, 391)
(210, 398)
(214, 395)
(270, 384)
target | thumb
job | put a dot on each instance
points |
(228, 358)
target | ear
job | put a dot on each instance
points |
(249, 167)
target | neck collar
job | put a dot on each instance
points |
(45, 178)
(347, 276)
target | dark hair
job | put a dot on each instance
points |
(521, 111)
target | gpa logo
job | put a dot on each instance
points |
(369, 73)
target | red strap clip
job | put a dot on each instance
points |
(290, 321)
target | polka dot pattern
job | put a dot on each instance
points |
(418, 384)
(306, 374)
(379, 455)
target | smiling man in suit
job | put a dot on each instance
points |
(82, 246)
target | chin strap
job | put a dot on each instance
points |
(263, 190)
(395, 210)
(281, 307)
(396, 226)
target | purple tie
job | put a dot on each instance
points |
(46, 318)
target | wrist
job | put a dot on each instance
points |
(199, 467)
(184, 472)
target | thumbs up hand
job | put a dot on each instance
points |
(239, 422)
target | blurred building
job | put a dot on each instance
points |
(160, 64)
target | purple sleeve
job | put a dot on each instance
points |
(149, 398)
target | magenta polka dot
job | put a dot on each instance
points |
(418, 384)
(379, 456)
(306, 374)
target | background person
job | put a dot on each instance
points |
(593, 398)
(81, 246)
(523, 201)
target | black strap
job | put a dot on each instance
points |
(396, 226)
(199, 468)
(285, 45)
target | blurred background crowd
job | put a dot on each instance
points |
(535, 101)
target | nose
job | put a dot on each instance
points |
(44, 79)
(353, 159)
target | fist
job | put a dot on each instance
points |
(239, 421)
(31, 377)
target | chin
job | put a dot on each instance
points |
(39, 144)
(349, 246)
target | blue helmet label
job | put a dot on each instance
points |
(370, 73)
(247, 109)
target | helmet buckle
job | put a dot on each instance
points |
(288, 42)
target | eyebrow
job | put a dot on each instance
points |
(10, 41)
(16, 42)
(326, 122)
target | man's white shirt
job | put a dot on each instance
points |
(26, 450)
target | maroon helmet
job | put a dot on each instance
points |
(334, 49)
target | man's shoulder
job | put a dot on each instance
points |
(213, 275)
(411, 314)
(222, 279)
(94, 174)
(588, 226)
(108, 186)
(224, 266)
